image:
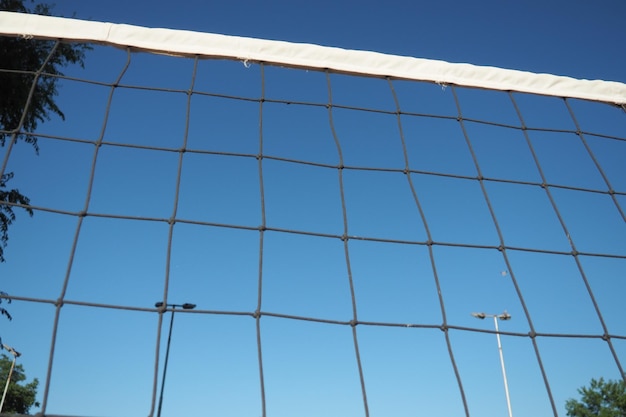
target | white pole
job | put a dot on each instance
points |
(6, 387)
(506, 384)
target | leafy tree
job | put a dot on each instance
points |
(19, 115)
(4, 311)
(601, 399)
(7, 215)
(20, 396)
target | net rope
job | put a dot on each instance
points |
(347, 238)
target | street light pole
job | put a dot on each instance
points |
(186, 306)
(15, 354)
(503, 316)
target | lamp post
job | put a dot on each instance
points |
(503, 316)
(160, 304)
(15, 354)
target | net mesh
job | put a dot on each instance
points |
(335, 232)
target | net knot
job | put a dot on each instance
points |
(532, 334)
(353, 323)
(443, 328)
(256, 314)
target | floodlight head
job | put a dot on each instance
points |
(12, 351)
(188, 306)
(504, 316)
(479, 315)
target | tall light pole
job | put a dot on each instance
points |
(503, 316)
(15, 354)
(159, 304)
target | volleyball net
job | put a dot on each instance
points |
(340, 220)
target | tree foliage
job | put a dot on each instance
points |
(4, 311)
(601, 399)
(21, 396)
(7, 215)
(28, 90)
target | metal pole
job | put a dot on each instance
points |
(167, 355)
(506, 384)
(6, 387)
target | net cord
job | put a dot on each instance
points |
(444, 326)
(346, 246)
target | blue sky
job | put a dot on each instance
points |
(104, 358)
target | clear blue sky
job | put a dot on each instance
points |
(104, 358)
